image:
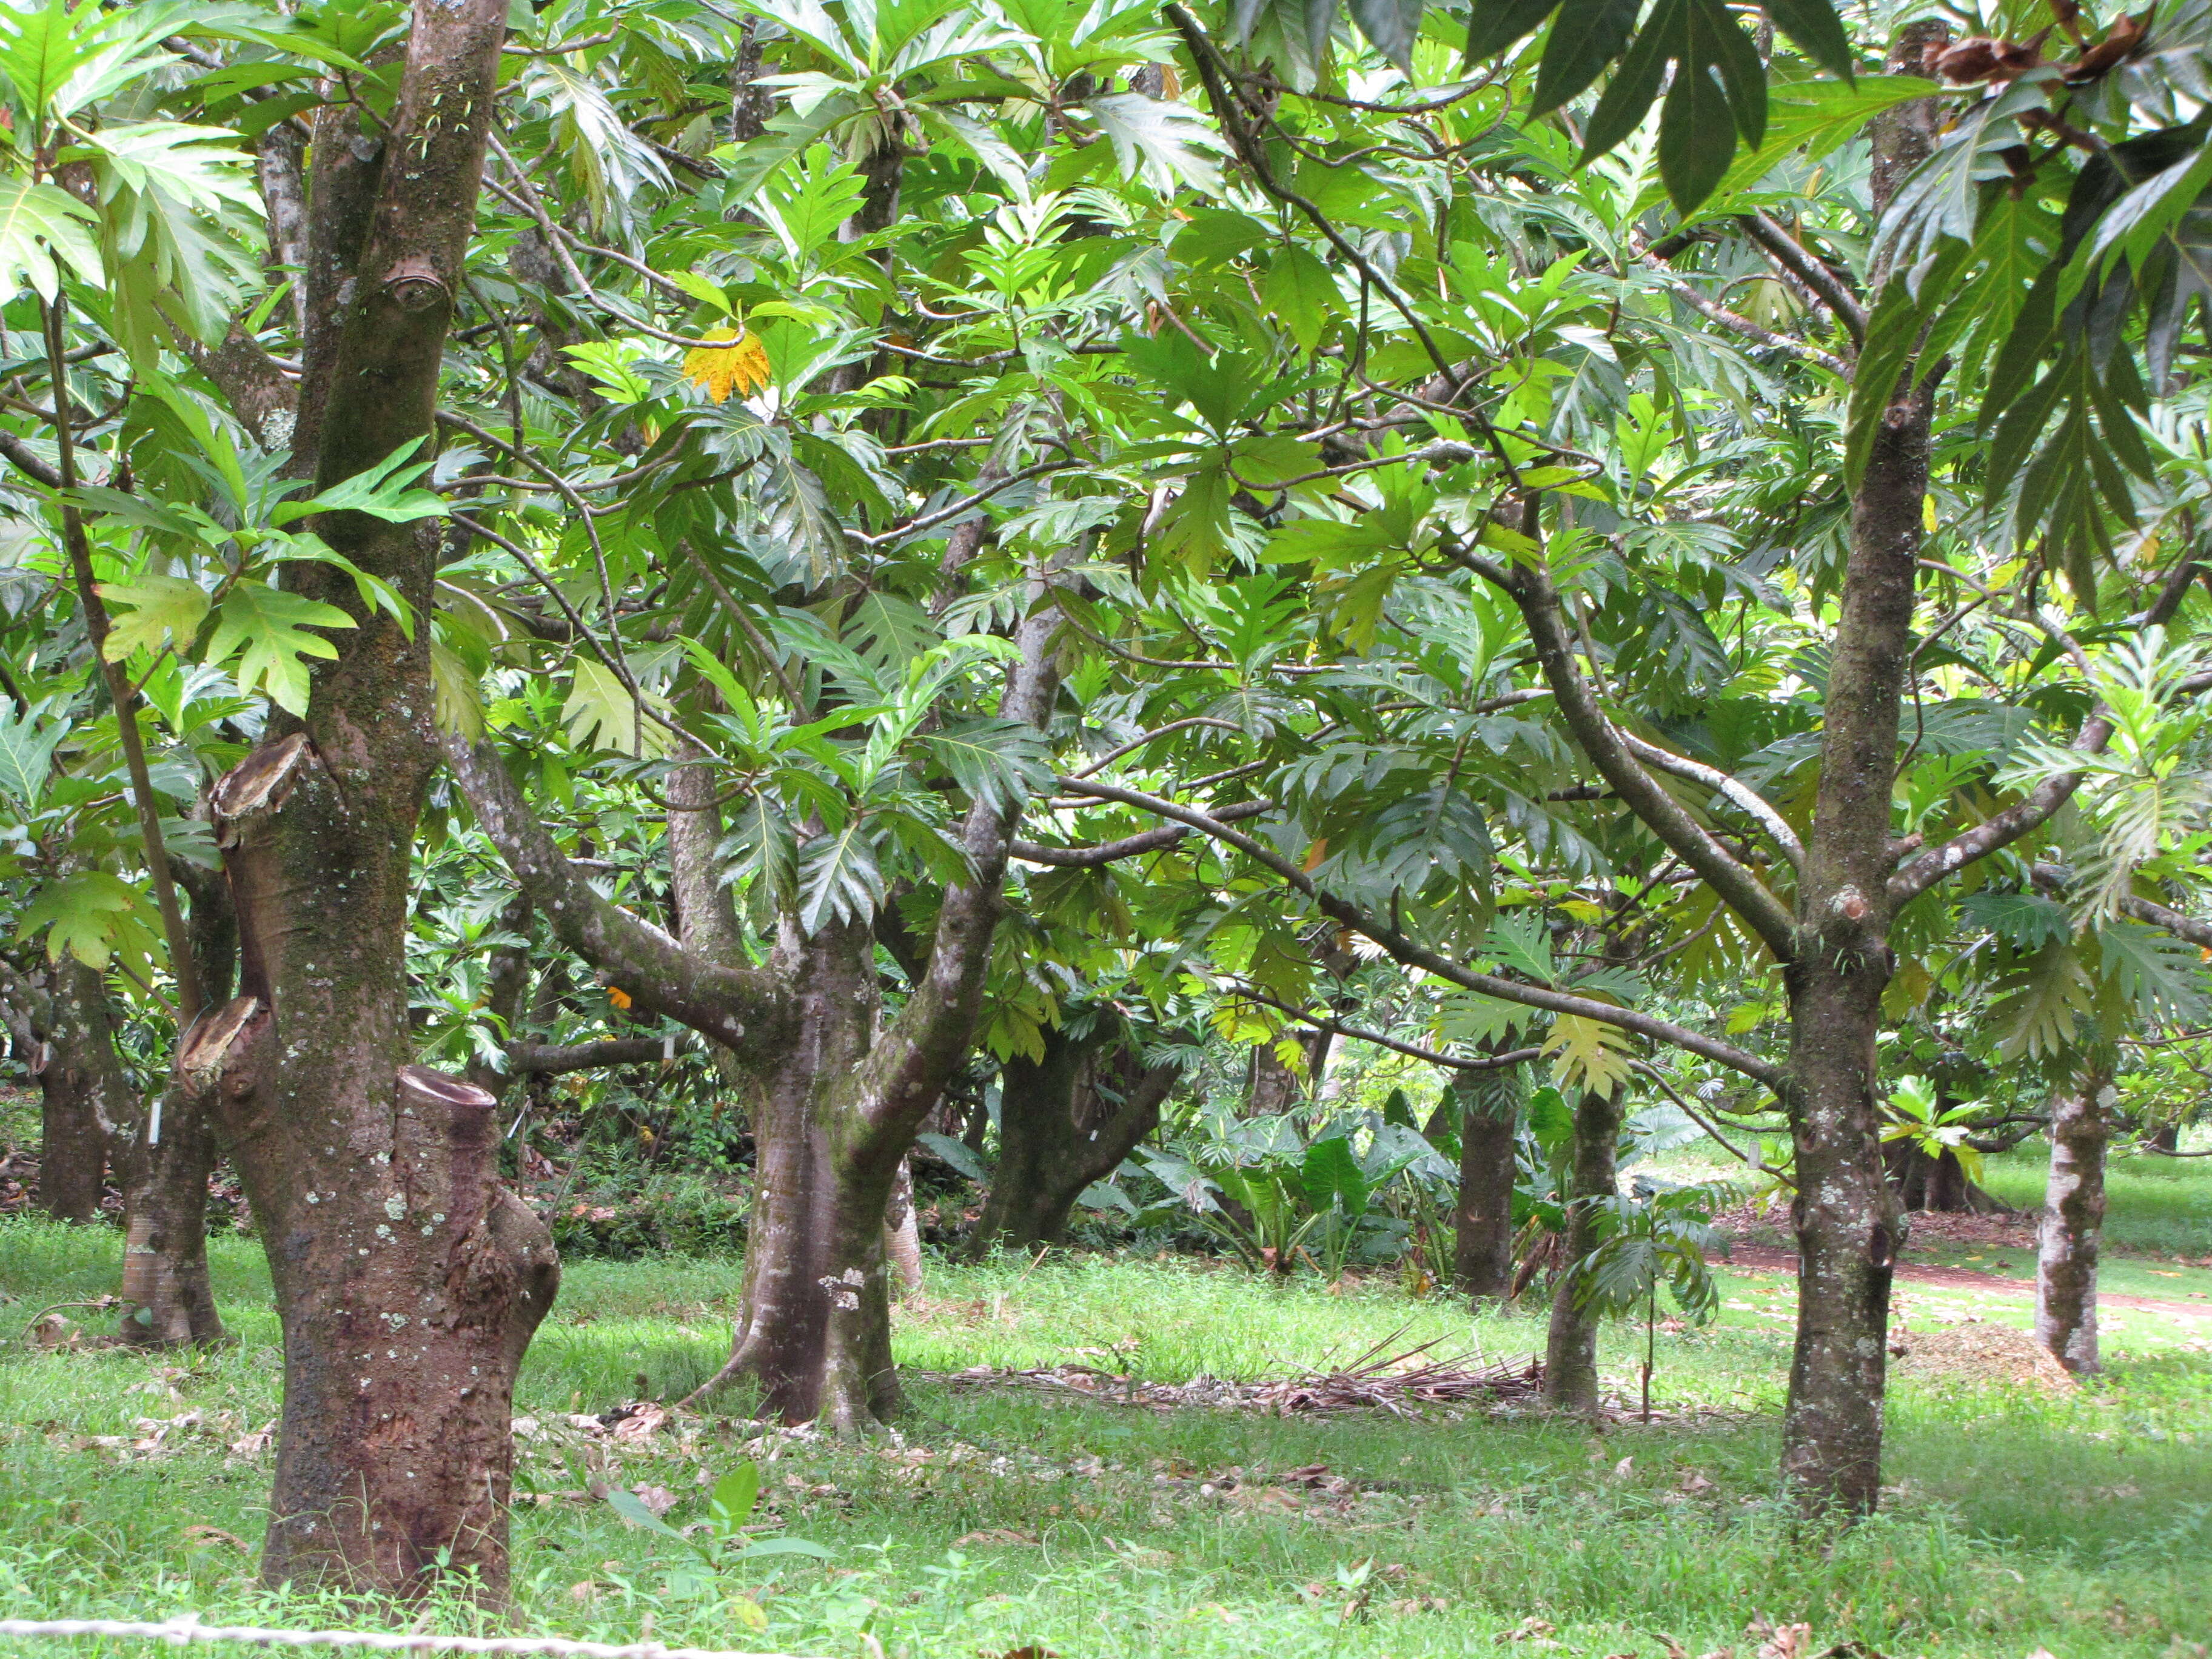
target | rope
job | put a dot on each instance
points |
(188, 1628)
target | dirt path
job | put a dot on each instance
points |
(1762, 1259)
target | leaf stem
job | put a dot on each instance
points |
(182, 968)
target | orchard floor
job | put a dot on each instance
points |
(2020, 1516)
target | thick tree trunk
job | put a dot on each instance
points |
(86, 1103)
(2074, 1221)
(407, 1280)
(1062, 1128)
(1849, 1230)
(1938, 1186)
(1570, 1345)
(1482, 1220)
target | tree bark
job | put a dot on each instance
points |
(85, 1101)
(1570, 1345)
(168, 1301)
(836, 1097)
(408, 1280)
(1064, 1121)
(1482, 1221)
(2074, 1221)
(1848, 1229)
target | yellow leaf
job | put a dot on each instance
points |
(617, 995)
(740, 367)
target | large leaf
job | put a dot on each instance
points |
(839, 878)
(1166, 143)
(144, 613)
(27, 742)
(267, 629)
(1589, 1054)
(39, 226)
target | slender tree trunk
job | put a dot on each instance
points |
(1482, 1221)
(1058, 1131)
(2074, 1221)
(1849, 1230)
(1571, 1345)
(168, 1301)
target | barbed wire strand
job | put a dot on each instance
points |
(188, 1628)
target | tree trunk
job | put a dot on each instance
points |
(1570, 1345)
(1059, 1130)
(85, 1101)
(1482, 1221)
(2074, 1221)
(1937, 1186)
(836, 1101)
(407, 1280)
(168, 1301)
(1848, 1228)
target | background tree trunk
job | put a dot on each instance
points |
(86, 1103)
(1064, 1123)
(1571, 1345)
(2074, 1221)
(1937, 1186)
(1482, 1221)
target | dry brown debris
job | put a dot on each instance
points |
(1400, 1383)
(1975, 1352)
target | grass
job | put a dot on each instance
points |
(1001, 1519)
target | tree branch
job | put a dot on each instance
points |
(1531, 590)
(1415, 954)
(1130, 846)
(729, 1005)
(1335, 1028)
(1793, 257)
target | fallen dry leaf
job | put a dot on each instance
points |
(995, 1536)
(1531, 1628)
(1786, 1641)
(200, 1537)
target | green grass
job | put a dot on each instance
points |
(2156, 1206)
(2081, 1524)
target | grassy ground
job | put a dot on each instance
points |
(1002, 1520)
